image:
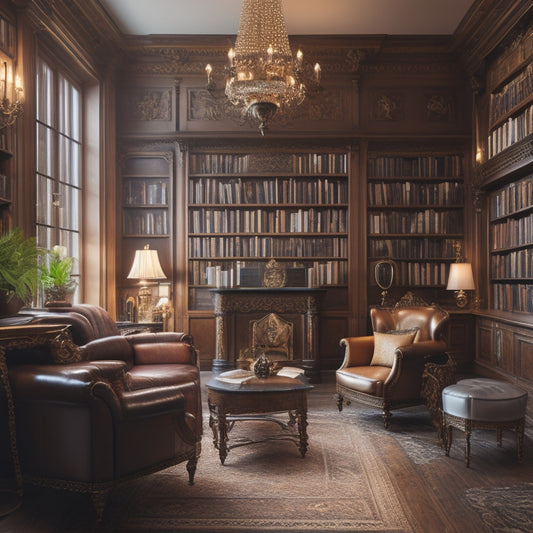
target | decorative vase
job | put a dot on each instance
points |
(60, 296)
(262, 366)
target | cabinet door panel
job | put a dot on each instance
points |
(524, 356)
(503, 348)
(484, 338)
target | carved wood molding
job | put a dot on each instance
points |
(485, 26)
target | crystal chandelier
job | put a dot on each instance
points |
(10, 110)
(262, 75)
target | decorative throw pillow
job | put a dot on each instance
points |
(414, 329)
(385, 345)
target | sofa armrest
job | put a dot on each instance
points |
(358, 351)
(107, 348)
(62, 383)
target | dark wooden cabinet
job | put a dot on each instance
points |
(461, 340)
(505, 349)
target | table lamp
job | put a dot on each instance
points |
(460, 280)
(146, 267)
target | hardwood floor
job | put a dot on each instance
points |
(436, 493)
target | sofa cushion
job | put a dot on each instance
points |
(385, 344)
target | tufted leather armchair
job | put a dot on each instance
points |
(397, 383)
(107, 408)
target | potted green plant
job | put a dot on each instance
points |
(55, 277)
(18, 271)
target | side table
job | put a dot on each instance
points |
(19, 337)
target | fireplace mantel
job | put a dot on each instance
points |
(237, 309)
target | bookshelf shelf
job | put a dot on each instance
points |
(146, 215)
(246, 208)
(415, 214)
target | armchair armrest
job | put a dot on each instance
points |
(422, 349)
(163, 348)
(358, 351)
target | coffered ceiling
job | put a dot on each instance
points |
(303, 17)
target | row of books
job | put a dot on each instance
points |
(137, 192)
(147, 223)
(516, 91)
(317, 274)
(7, 36)
(268, 190)
(512, 232)
(512, 198)
(516, 264)
(423, 166)
(412, 273)
(409, 193)
(513, 297)
(425, 221)
(5, 187)
(268, 221)
(255, 246)
(309, 163)
(510, 132)
(379, 248)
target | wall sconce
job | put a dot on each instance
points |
(145, 267)
(10, 109)
(460, 280)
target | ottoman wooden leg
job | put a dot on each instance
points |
(468, 432)
(520, 440)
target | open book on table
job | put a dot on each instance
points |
(242, 376)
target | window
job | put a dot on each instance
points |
(59, 161)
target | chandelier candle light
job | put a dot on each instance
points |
(262, 75)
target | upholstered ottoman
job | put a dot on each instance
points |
(483, 403)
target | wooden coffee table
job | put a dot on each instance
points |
(256, 399)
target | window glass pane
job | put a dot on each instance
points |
(69, 161)
(69, 211)
(76, 114)
(45, 106)
(45, 150)
(44, 237)
(44, 200)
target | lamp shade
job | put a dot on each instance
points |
(146, 265)
(461, 277)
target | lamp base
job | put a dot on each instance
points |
(145, 304)
(461, 298)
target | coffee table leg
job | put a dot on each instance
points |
(223, 437)
(302, 431)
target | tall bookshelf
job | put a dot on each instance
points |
(415, 217)
(511, 246)
(507, 175)
(146, 207)
(247, 208)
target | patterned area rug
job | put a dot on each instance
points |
(269, 487)
(506, 509)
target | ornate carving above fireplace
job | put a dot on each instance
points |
(243, 315)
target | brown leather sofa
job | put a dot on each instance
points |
(394, 379)
(107, 408)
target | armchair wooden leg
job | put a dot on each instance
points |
(386, 418)
(99, 499)
(339, 399)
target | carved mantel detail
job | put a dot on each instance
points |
(236, 309)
